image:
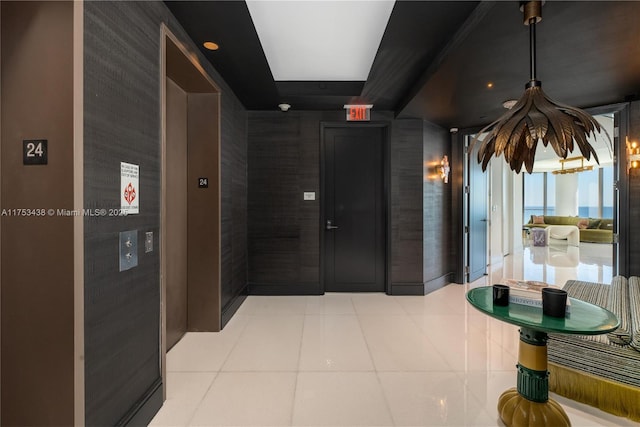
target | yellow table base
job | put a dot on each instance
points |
(529, 404)
(517, 411)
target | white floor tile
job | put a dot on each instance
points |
(439, 302)
(268, 343)
(334, 343)
(258, 304)
(397, 344)
(431, 399)
(340, 399)
(205, 351)
(379, 303)
(367, 359)
(487, 387)
(248, 399)
(185, 390)
(330, 303)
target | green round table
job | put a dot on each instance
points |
(528, 403)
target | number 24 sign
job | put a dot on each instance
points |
(34, 152)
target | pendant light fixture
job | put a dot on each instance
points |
(536, 117)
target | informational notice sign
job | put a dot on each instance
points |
(129, 190)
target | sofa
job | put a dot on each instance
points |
(601, 370)
(593, 230)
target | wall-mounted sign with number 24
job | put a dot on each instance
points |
(34, 152)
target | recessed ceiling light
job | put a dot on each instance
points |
(489, 85)
(211, 45)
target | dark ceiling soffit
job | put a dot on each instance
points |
(415, 33)
(240, 61)
(460, 36)
(319, 88)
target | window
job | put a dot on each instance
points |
(551, 194)
(607, 193)
(595, 194)
(534, 200)
(588, 194)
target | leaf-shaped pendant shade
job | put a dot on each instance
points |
(536, 117)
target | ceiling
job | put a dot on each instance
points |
(436, 59)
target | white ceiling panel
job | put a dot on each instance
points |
(320, 40)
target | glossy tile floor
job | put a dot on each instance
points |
(557, 263)
(355, 359)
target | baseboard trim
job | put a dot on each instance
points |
(406, 289)
(146, 408)
(284, 289)
(437, 283)
(230, 309)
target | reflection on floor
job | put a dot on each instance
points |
(364, 359)
(557, 263)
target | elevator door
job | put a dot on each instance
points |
(354, 227)
(176, 211)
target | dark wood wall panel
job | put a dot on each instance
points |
(456, 181)
(634, 197)
(122, 123)
(239, 203)
(406, 204)
(634, 225)
(233, 177)
(283, 229)
(437, 209)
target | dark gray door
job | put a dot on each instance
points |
(354, 227)
(477, 208)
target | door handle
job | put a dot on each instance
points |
(330, 227)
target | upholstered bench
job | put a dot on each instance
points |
(602, 370)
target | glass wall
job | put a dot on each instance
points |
(595, 194)
(534, 195)
(607, 193)
(589, 194)
(551, 193)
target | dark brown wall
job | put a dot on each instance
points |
(438, 243)
(234, 202)
(37, 251)
(122, 123)
(406, 207)
(283, 233)
(284, 162)
(634, 225)
(634, 196)
(203, 213)
(176, 213)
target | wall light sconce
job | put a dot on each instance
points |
(633, 154)
(443, 169)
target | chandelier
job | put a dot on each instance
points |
(577, 169)
(536, 117)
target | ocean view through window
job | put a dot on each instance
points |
(594, 194)
(583, 212)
